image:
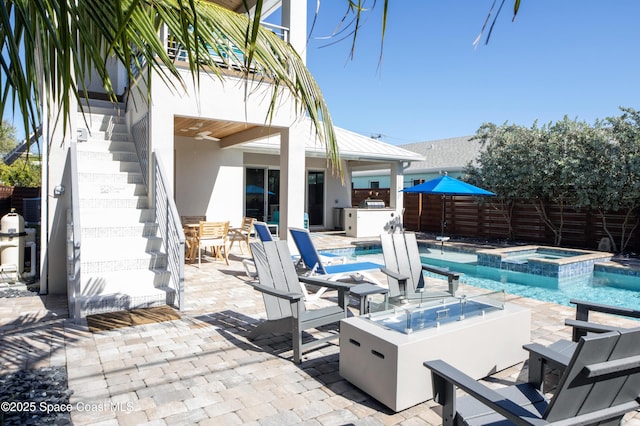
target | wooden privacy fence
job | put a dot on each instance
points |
(465, 217)
(357, 195)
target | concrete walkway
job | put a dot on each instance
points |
(201, 369)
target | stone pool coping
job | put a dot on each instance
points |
(586, 256)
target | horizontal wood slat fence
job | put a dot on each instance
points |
(465, 217)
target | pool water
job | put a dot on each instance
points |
(601, 287)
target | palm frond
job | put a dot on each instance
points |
(57, 45)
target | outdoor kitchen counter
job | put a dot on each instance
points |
(370, 222)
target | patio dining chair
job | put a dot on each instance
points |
(242, 234)
(191, 243)
(213, 235)
(317, 265)
(192, 220)
(600, 384)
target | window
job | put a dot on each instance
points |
(374, 184)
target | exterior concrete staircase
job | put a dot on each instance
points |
(123, 261)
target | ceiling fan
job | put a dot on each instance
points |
(196, 126)
(205, 135)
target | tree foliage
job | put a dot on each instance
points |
(22, 173)
(610, 178)
(565, 164)
(7, 138)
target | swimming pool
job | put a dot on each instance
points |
(602, 287)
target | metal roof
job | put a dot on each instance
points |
(444, 154)
(352, 146)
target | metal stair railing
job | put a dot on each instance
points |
(171, 231)
(73, 237)
(16, 152)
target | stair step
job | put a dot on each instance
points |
(121, 302)
(103, 103)
(96, 134)
(102, 166)
(110, 178)
(97, 145)
(118, 230)
(138, 202)
(123, 247)
(113, 190)
(106, 123)
(135, 281)
(137, 261)
(90, 217)
(104, 155)
(91, 305)
(102, 108)
(102, 122)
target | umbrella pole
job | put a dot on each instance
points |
(441, 237)
(442, 218)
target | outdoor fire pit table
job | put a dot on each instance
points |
(382, 352)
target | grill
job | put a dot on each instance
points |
(371, 204)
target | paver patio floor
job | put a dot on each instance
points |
(201, 369)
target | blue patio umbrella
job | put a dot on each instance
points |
(446, 185)
(255, 189)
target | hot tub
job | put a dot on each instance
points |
(545, 261)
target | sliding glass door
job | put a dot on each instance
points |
(261, 182)
(273, 196)
(315, 192)
(254, 193)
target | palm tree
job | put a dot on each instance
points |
(49, 47)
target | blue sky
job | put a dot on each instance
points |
(574, 58)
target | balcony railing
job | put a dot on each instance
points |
(282, 32)
(224, 53)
